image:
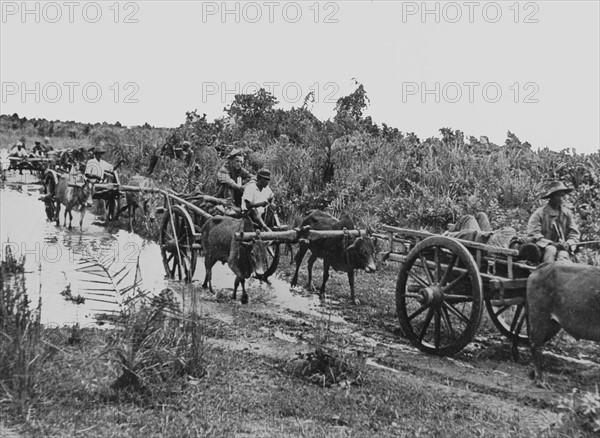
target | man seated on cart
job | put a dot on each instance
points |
(19, 151)
(231, 179)
(553, 227)
(257, 195)
(96, 169)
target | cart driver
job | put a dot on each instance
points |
(96, 168)
(553, 227)
(257, 195)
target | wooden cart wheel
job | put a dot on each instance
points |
(510, 318)
(439, 296)
(50, 189)
(273, 252)
(176, 240)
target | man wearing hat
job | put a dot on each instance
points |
(257, 195)
(232, 177)
(553, 227)
(96, 167)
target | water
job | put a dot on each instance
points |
(54, 254)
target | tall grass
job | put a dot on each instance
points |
(22, 351)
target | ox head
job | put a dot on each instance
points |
(361, 254)
(84, 190)
(255, 257)
(150, 206)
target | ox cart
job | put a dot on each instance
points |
(444, 284)
(181, 232)
(33, 164)
(110, 191)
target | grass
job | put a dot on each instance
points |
(240, 395)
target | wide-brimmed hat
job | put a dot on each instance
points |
(264, 174)
(555, 187)
(99, 150)
(235, 152)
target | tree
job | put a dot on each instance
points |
(252, 111)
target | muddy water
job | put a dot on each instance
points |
(54, 254)
(53, 257)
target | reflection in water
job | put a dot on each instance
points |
(53, 254)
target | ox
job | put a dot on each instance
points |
(343, 253)
(562, 295)
(243, 258)
(73, 191)
(147, 202)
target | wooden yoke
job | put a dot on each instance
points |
(297, 234)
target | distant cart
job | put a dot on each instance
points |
(33, 164)
(110, 191)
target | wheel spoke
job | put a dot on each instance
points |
(426, 268)
(455, 282)
(426, 324)
(519, 326)
(436, 333)
(515, 320)
(456, 312)
(502, 310)
(418, 279)
(417, 312)
(438, 263)
(446, 319)
(449, 270)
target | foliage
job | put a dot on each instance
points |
(349, 163)
(22, 352)
(579, 411)
(153, 341)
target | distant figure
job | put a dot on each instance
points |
(38, 150)
(47, 144)
(553, 227)
(19, 151)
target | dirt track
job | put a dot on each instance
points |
(280, 327)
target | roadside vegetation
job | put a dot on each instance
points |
(158, 370)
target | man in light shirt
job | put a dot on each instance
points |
(257, 195)
(96, 168)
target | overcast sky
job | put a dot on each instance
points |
(482, 67)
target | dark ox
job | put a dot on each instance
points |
(147, 202)
(73, 191)
(343, 253)
(243, 258)
(562, 295)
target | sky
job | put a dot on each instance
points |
(529, 67)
